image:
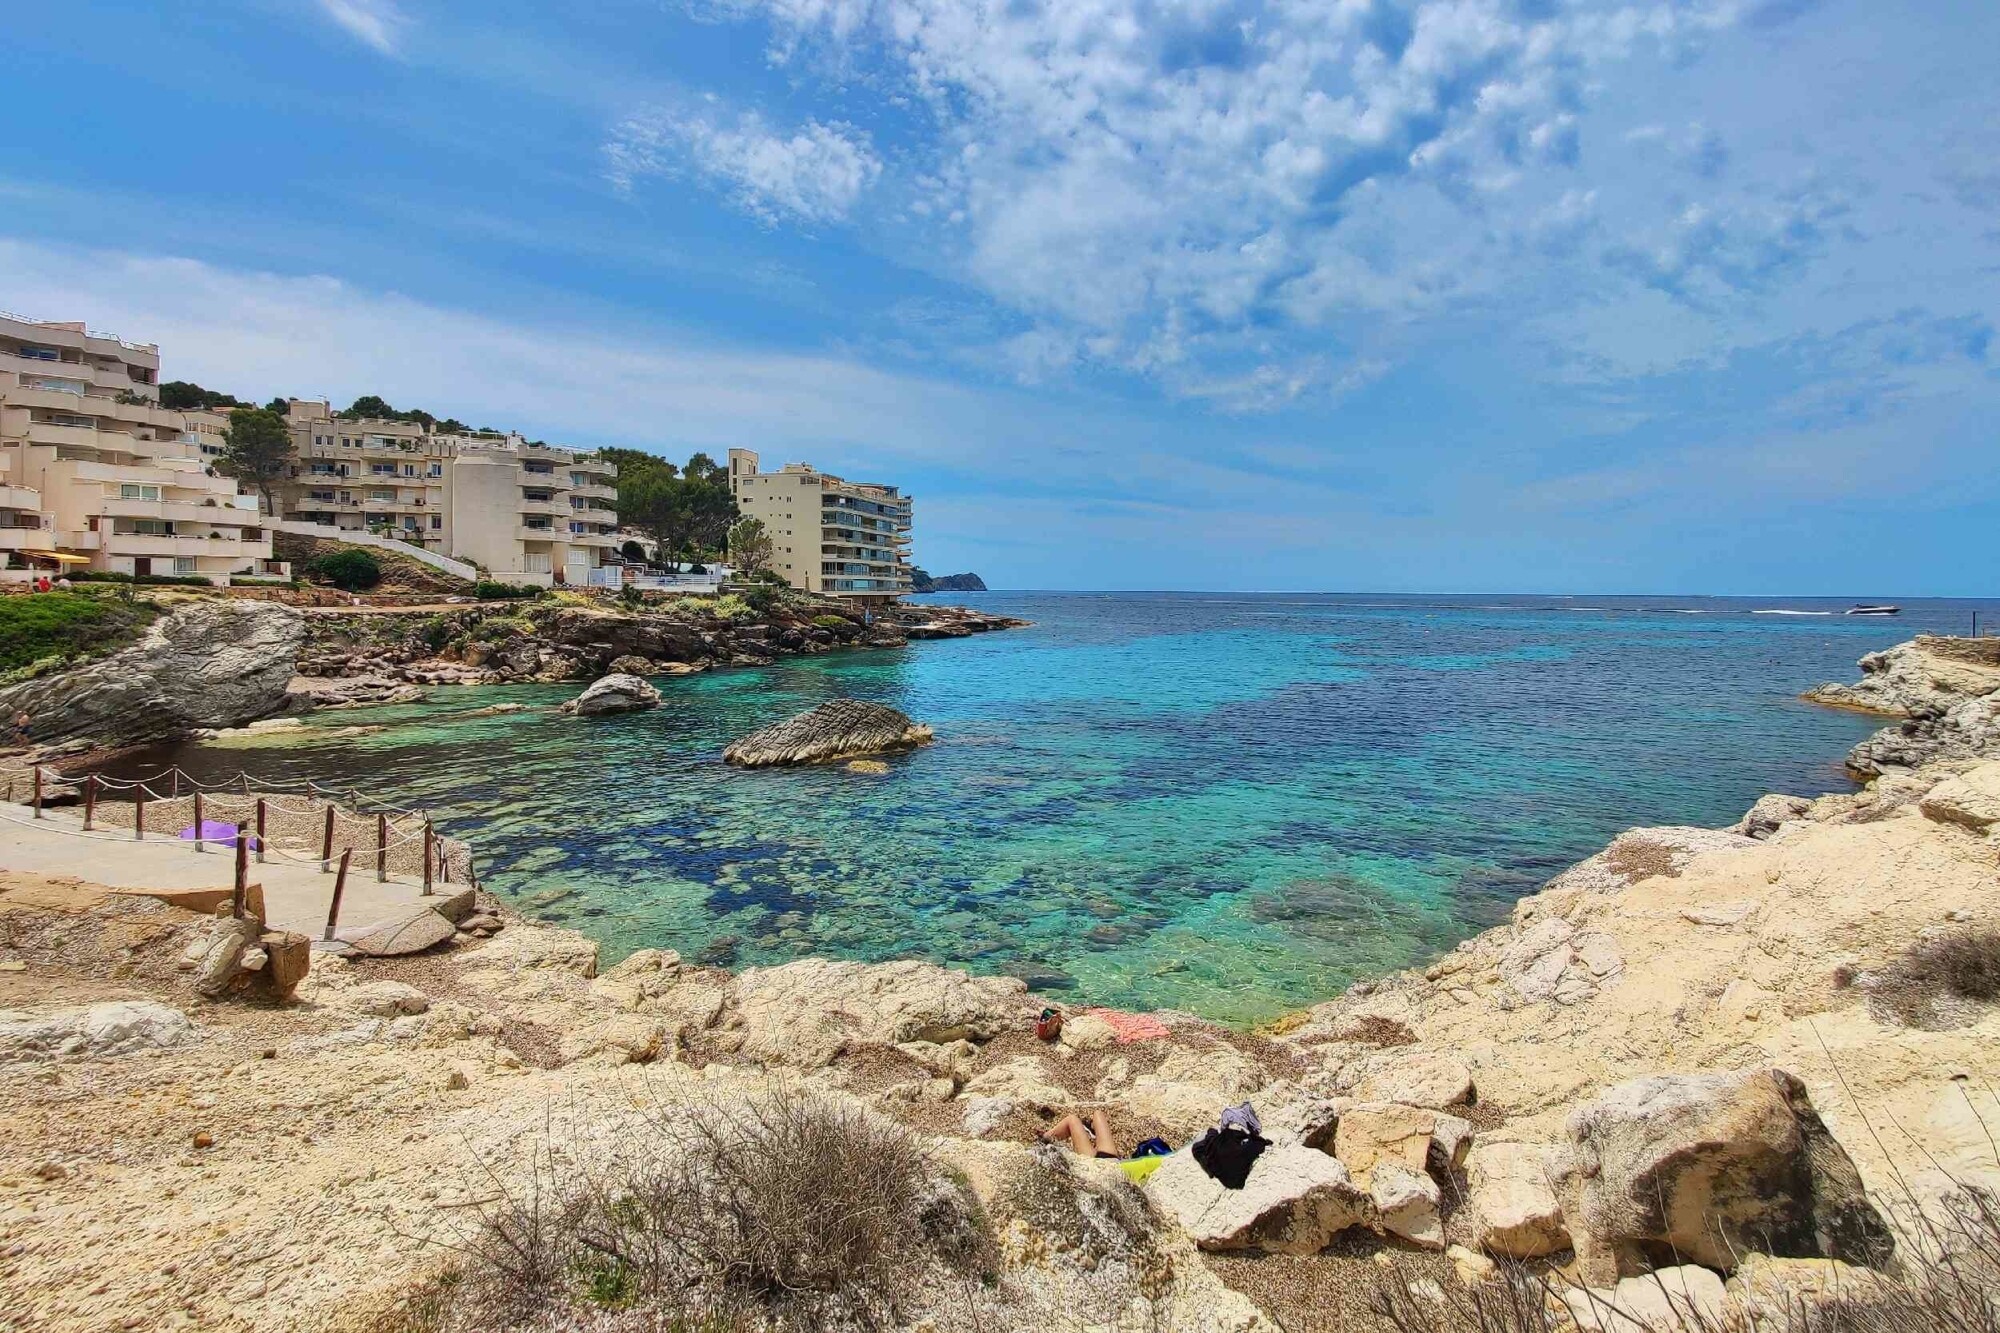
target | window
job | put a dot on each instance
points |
(381, 495)
(437, 522)
(437, 469)
(183, 564)
(131, 491)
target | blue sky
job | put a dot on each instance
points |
(1452, 295)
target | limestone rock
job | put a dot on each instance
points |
(455, 907)
(116, 1027)
(1972, 799)
(841, 729)
(617, 693)
(1311, 1122)
(1294, 1201)
(210, 663)
(1925, 675)
(1406, 1204)
(1421, 1078)
(219, 954)
(386, 999)
(1511, 1191)
(1683, 1297)
(1715, 1166)
(410, 933)
(1373, 1132)
(1088, 1032)
(984, 1114)
(621, 1039)
(631, 664)
(1767, 1289)
(805, 1013)
(1764, 818)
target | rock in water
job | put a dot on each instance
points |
(614, 694)
(842, 729)
(208, 664)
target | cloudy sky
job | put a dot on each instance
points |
(1451, 295)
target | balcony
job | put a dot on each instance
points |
(134, 543)
(19, 497)
(179, 511)
(593, 491)
(552, 507)
(527, 534)
(26, 539)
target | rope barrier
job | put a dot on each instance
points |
(241, 784)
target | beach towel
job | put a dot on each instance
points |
(1131, 1027)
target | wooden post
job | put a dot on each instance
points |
(139, 811)
(381, 847)
(339, 887)
(38, 791)
(89, 801)
(197, 822)
(326, 843)
(427, 858)
(260, 830)
(237, 898)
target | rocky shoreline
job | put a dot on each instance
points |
(1724, 1063)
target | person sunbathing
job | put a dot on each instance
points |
(1085, 1140)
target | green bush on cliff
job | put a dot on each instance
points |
(731, 607)
(350, 569)
(487, 590)
(833, 622)
(67, 626)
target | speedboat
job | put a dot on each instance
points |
(1873, 610)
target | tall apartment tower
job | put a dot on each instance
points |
(828, 535)
(98, 475)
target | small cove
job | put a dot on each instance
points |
(1228, 804)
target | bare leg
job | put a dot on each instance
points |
(1065, 1130)
(1100, 1130)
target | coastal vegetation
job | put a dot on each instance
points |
(52, 630)
(687, 510)
(257, 451)
(350, 569)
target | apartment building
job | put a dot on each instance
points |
(828, 535)
(119, 483)
(529, 512)
(384, 477)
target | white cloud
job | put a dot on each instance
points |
(812, 174)
(1162, 188)
(379, 23)
(263, 334)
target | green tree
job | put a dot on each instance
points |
(350, 569)
(749, 546)
(185, 396)
(258, 450)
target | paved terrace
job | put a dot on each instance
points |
(296, 894)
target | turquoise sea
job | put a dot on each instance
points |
(1230, 804)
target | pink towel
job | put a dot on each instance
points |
(1131, 1027)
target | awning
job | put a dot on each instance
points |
(58, 556)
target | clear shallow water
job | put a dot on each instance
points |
(1231, 804)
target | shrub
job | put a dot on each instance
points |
(770, 576)
(349, 569)
(761, 597)
(629, 596)
(157, 580)
(779, 1209)
(729, 606)
(66, 626)
(1940, 982)
(833, 622)
(487, 590)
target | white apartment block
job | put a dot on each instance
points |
(384, 477)
(107, 477)
(828, 535)
(529, 512)
(523, 511)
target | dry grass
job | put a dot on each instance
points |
(783, 1209)
(1939, 983)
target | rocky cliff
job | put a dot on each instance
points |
(553, 641)
(1945, 690)
(210, 663)
(924, 582)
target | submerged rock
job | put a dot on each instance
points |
(614, 694)
(842, 729)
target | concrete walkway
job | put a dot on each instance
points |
(296, 895)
